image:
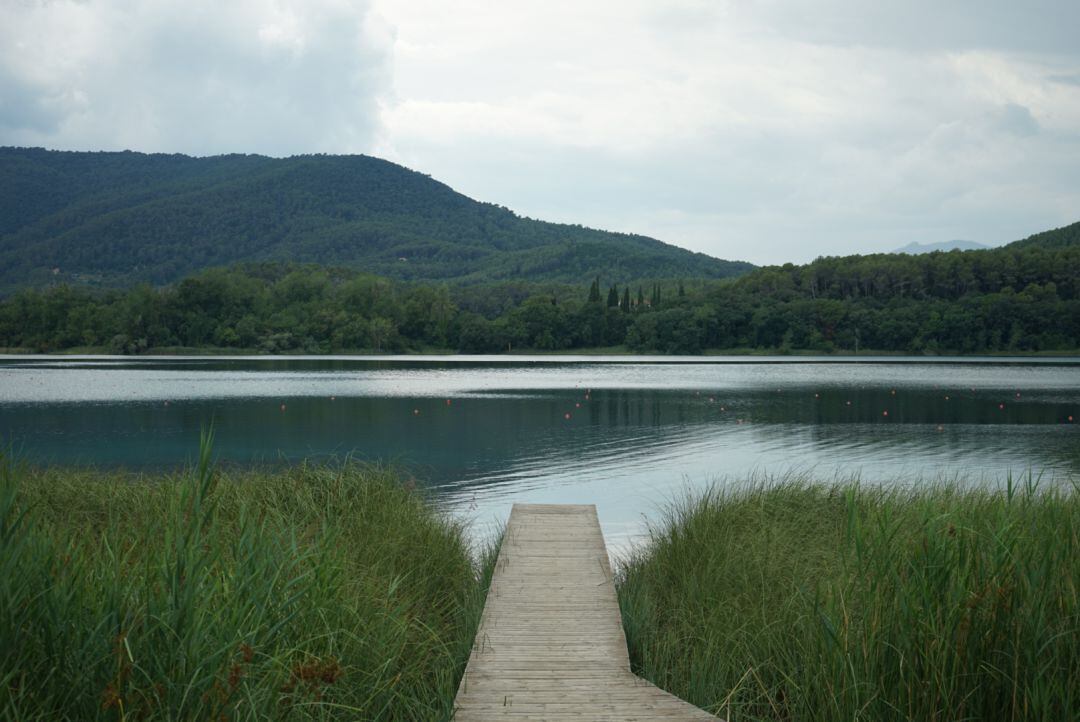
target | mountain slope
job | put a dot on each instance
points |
(1058, 238)
(120, 218)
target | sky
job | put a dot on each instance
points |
(760, 130)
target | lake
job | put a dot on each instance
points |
(625, 433)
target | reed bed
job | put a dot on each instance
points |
(789, 600)
(312, 592)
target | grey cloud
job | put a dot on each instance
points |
(1016, 119)
(1066, 79)
(204, 78)
(1034, 25)
(25, 107)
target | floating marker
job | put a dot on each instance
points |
(577, 406)
(724, 409)
(1001, 406)
(940, 428)
(817, 396)
(166, 403)
(893, 392)
(283, 407)
(566, 416)
(416, 412)
(1017, 394)
(333, 398)
(885, 413)
(1070, 419)
(946, 398)
(448, 402)
(849, 403)
(712, 399)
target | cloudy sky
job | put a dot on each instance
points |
(765, 130)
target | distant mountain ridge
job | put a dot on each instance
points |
(121, 218)
(915, 247)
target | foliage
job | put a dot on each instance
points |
(117, 219)
(1013, 299)
(306, 593)
(784, 600)
(1024, 297)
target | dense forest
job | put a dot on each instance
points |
(1024, 297)
(117, 219)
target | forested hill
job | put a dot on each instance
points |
(115, 219)
(1020, 298)
(1057, 238)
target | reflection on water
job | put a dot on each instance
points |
(626, 436)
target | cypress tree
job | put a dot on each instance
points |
(682, 291)
(594, 291)
(626, 300)
(640, 297)
(613, 296)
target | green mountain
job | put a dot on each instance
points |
(119, 218)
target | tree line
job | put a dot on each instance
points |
(1022, 299)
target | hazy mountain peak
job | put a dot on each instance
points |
(955, 245)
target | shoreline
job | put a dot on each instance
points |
(599, 355)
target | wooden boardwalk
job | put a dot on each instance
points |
(551, 644)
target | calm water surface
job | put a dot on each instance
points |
(625, 434)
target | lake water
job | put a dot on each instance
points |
(627, 434)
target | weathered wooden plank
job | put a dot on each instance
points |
(551, 644)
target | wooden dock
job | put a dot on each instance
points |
(551, 643)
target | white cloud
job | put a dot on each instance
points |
(762, 130)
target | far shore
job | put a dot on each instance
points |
(597, 352)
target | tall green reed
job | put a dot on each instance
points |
(790, 600)
(308, 592)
